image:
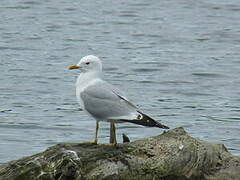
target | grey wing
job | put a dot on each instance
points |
(103, 101)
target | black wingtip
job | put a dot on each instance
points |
(145, 120)
(161, 125)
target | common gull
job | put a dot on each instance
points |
(103, 101)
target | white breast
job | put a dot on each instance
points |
(83, 81)
(80, 86)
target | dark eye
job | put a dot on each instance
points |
(87, 63)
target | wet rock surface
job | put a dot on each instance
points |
(173, 155)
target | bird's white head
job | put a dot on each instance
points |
(89, 63)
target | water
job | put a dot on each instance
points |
(178, 60)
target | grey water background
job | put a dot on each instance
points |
(178, 60)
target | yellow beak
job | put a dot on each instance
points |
(73, 67)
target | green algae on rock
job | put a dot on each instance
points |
(173, 155)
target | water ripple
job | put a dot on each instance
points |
(176, 66)
(208, 74)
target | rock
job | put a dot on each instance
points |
(173, 155)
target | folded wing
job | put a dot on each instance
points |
(105, 102)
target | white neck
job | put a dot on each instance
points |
(87, 77)
(90, 75)
(84, 80)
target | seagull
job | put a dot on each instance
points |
(105, 102)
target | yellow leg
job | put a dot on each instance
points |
(96, 133)
(113, 139)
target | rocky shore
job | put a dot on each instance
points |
(173, 155)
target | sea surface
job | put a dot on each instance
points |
(178, 61)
